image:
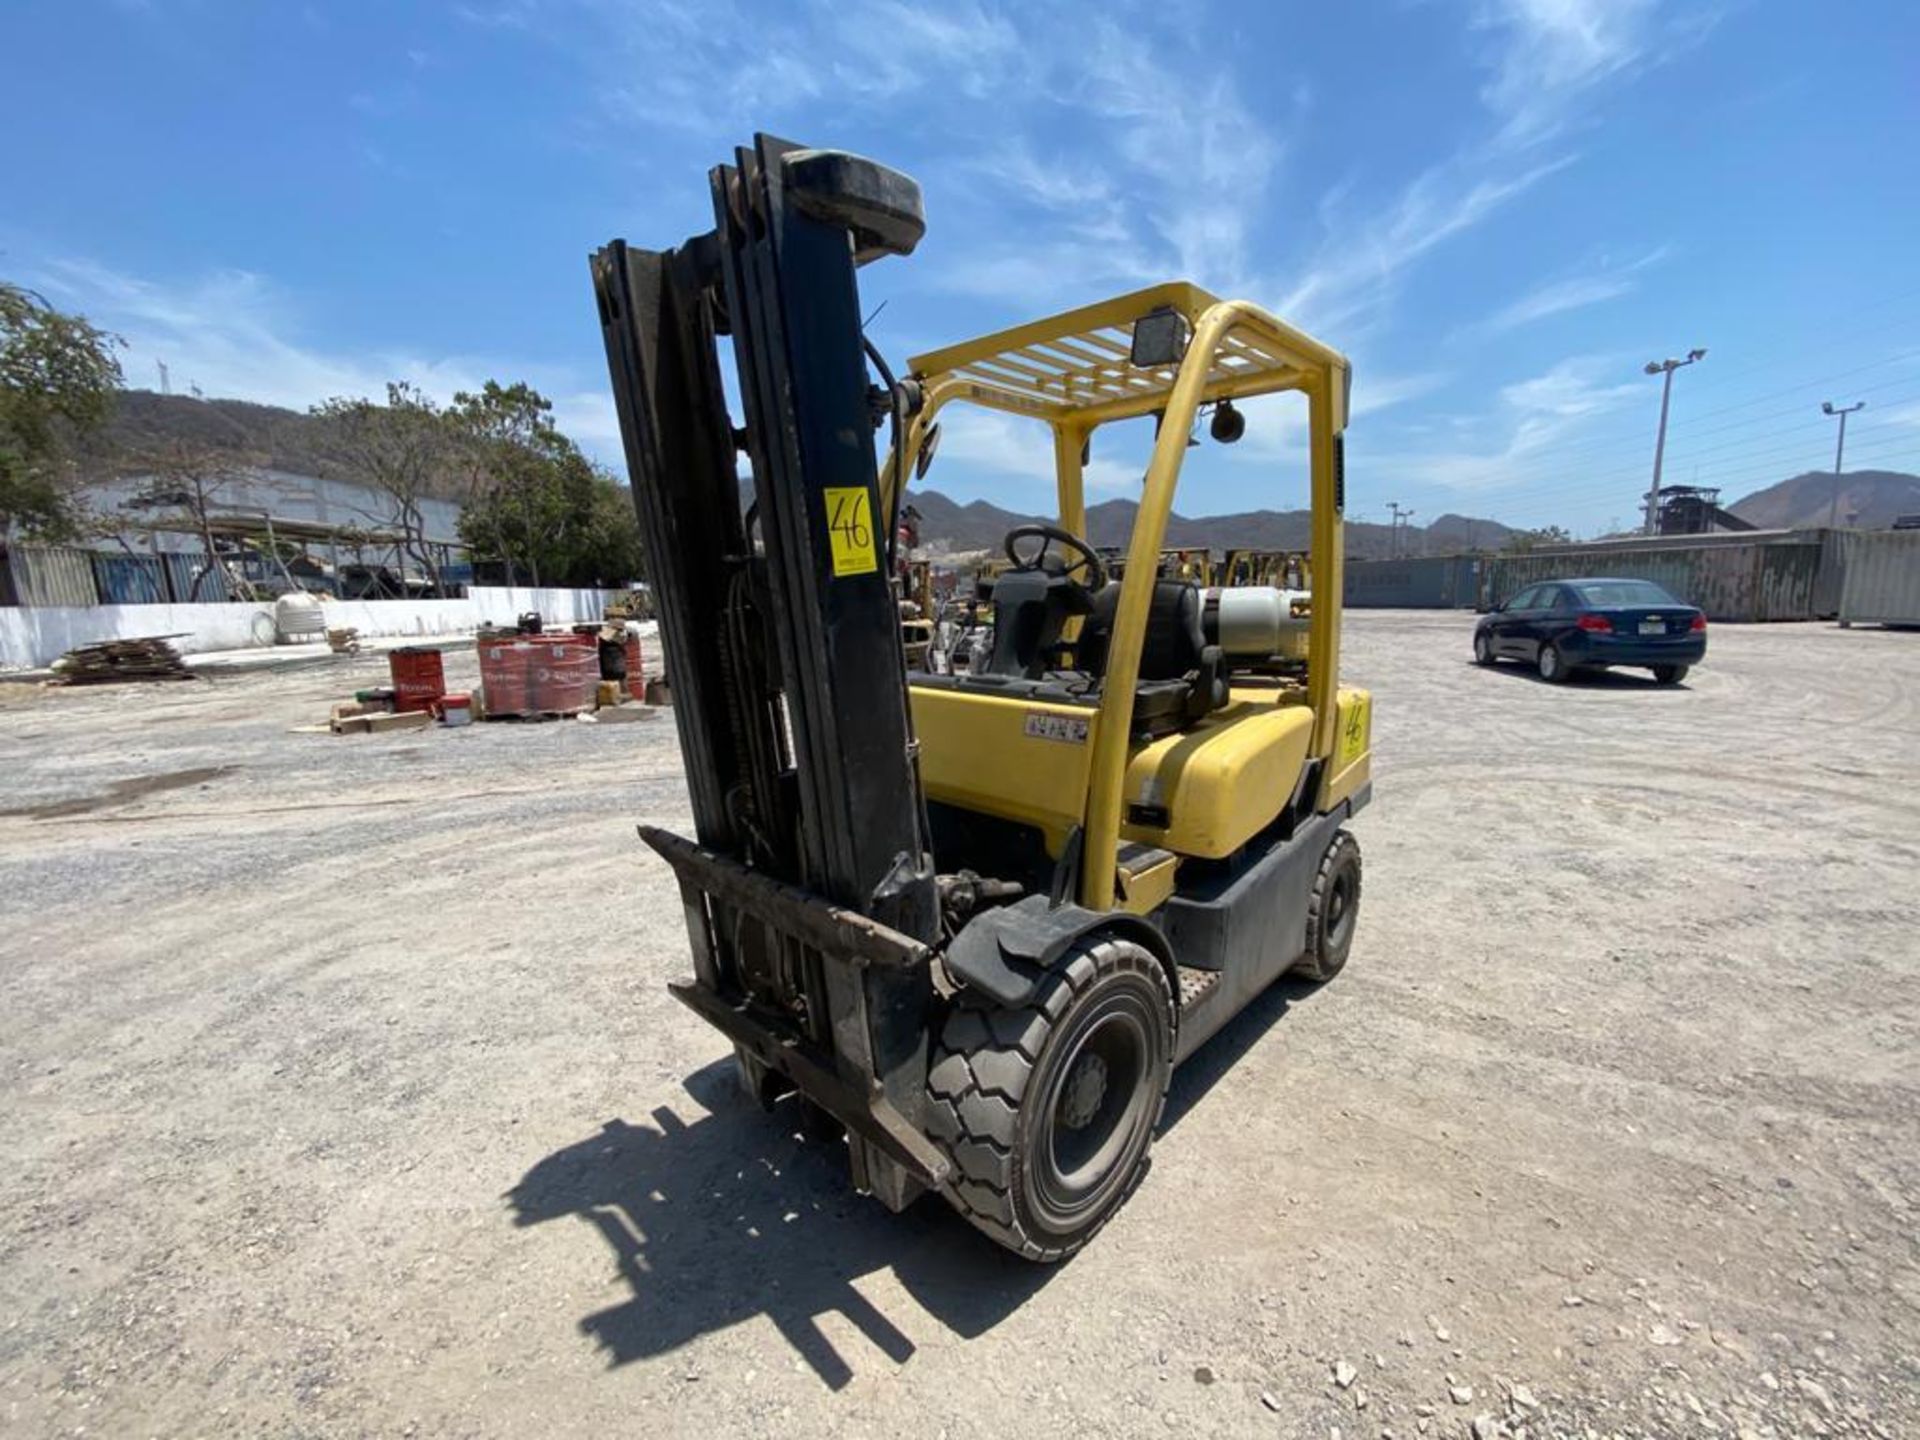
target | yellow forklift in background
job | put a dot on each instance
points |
(972, 921)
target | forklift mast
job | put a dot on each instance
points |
(781, 632)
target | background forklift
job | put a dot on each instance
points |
(973, 921)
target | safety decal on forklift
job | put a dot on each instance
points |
(1044, 725)
(850, 530)
(1354, 725)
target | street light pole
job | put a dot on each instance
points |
(1393, 535)
(1827, 407)
(1666, 367)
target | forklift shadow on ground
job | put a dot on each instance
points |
(733, 1216)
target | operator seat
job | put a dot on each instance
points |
(1030, 612)
(1182, 678)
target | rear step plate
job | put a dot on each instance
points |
(1195, 985)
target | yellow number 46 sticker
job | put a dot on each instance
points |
(1356, 726)
(850, 530)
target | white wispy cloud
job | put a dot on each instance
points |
(1514, 444)
(1367, 256)
(1558, 297)
(1009, 447)
(234, 334)
(1547, 63)
(1546, 53)
(1573, 292)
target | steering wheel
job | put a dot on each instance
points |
(1089, 561)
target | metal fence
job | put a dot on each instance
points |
(1765, 575)
(1425, 582)
(50, 575)
(71, 576)
(1882, 583)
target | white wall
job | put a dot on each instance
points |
(35, 636)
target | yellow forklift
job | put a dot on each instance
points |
(1282, 569)
(971, 921)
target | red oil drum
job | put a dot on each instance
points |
(636, 672)
(419, 677)
(564, 673)
(505, 668)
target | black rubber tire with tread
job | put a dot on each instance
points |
(989, 1057)
(1559, 671)
(1670, 674)
(1328, 945)
(1483, 650)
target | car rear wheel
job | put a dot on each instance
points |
(1483, 649)
(1669, 674)
(1048, 1110)
(1553, 665)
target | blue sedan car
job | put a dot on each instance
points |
(1561, 626)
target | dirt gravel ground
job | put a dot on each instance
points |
(343, 1095)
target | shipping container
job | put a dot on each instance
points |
(1882, 578)
(1422, 582)
(1762, 575)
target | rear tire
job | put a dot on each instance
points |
(1483, 649)
(1332, 909)
(1553, 665)
(1670, 674)
(1048, 1110)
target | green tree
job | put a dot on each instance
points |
(1520, 541)
(611, 552)
(534, 501)
(404, 449)
(181, 480)
(58, 374)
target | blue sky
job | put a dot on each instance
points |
(1501, 209)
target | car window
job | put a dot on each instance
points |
(1525, 599)
(1624, 592)
(1558, 598)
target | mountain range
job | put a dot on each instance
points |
(979, 525)
(1870, 499)
(282, 439)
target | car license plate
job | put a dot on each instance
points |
(1653, 627)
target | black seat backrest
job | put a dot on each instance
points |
(1174, 638)
(1182, 678)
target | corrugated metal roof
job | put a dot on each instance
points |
(293, 499)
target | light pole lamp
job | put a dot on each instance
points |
(1827, 407)
(1666, 367)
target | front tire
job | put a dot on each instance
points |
(1048, 1110)
(1669, 674)
(1553, 665)
(1332, 909)
(1483, 649)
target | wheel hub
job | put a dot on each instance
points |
(1085, 1088)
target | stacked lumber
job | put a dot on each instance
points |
(117, 660)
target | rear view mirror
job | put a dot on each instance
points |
(929, 443)
(1159, 339)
